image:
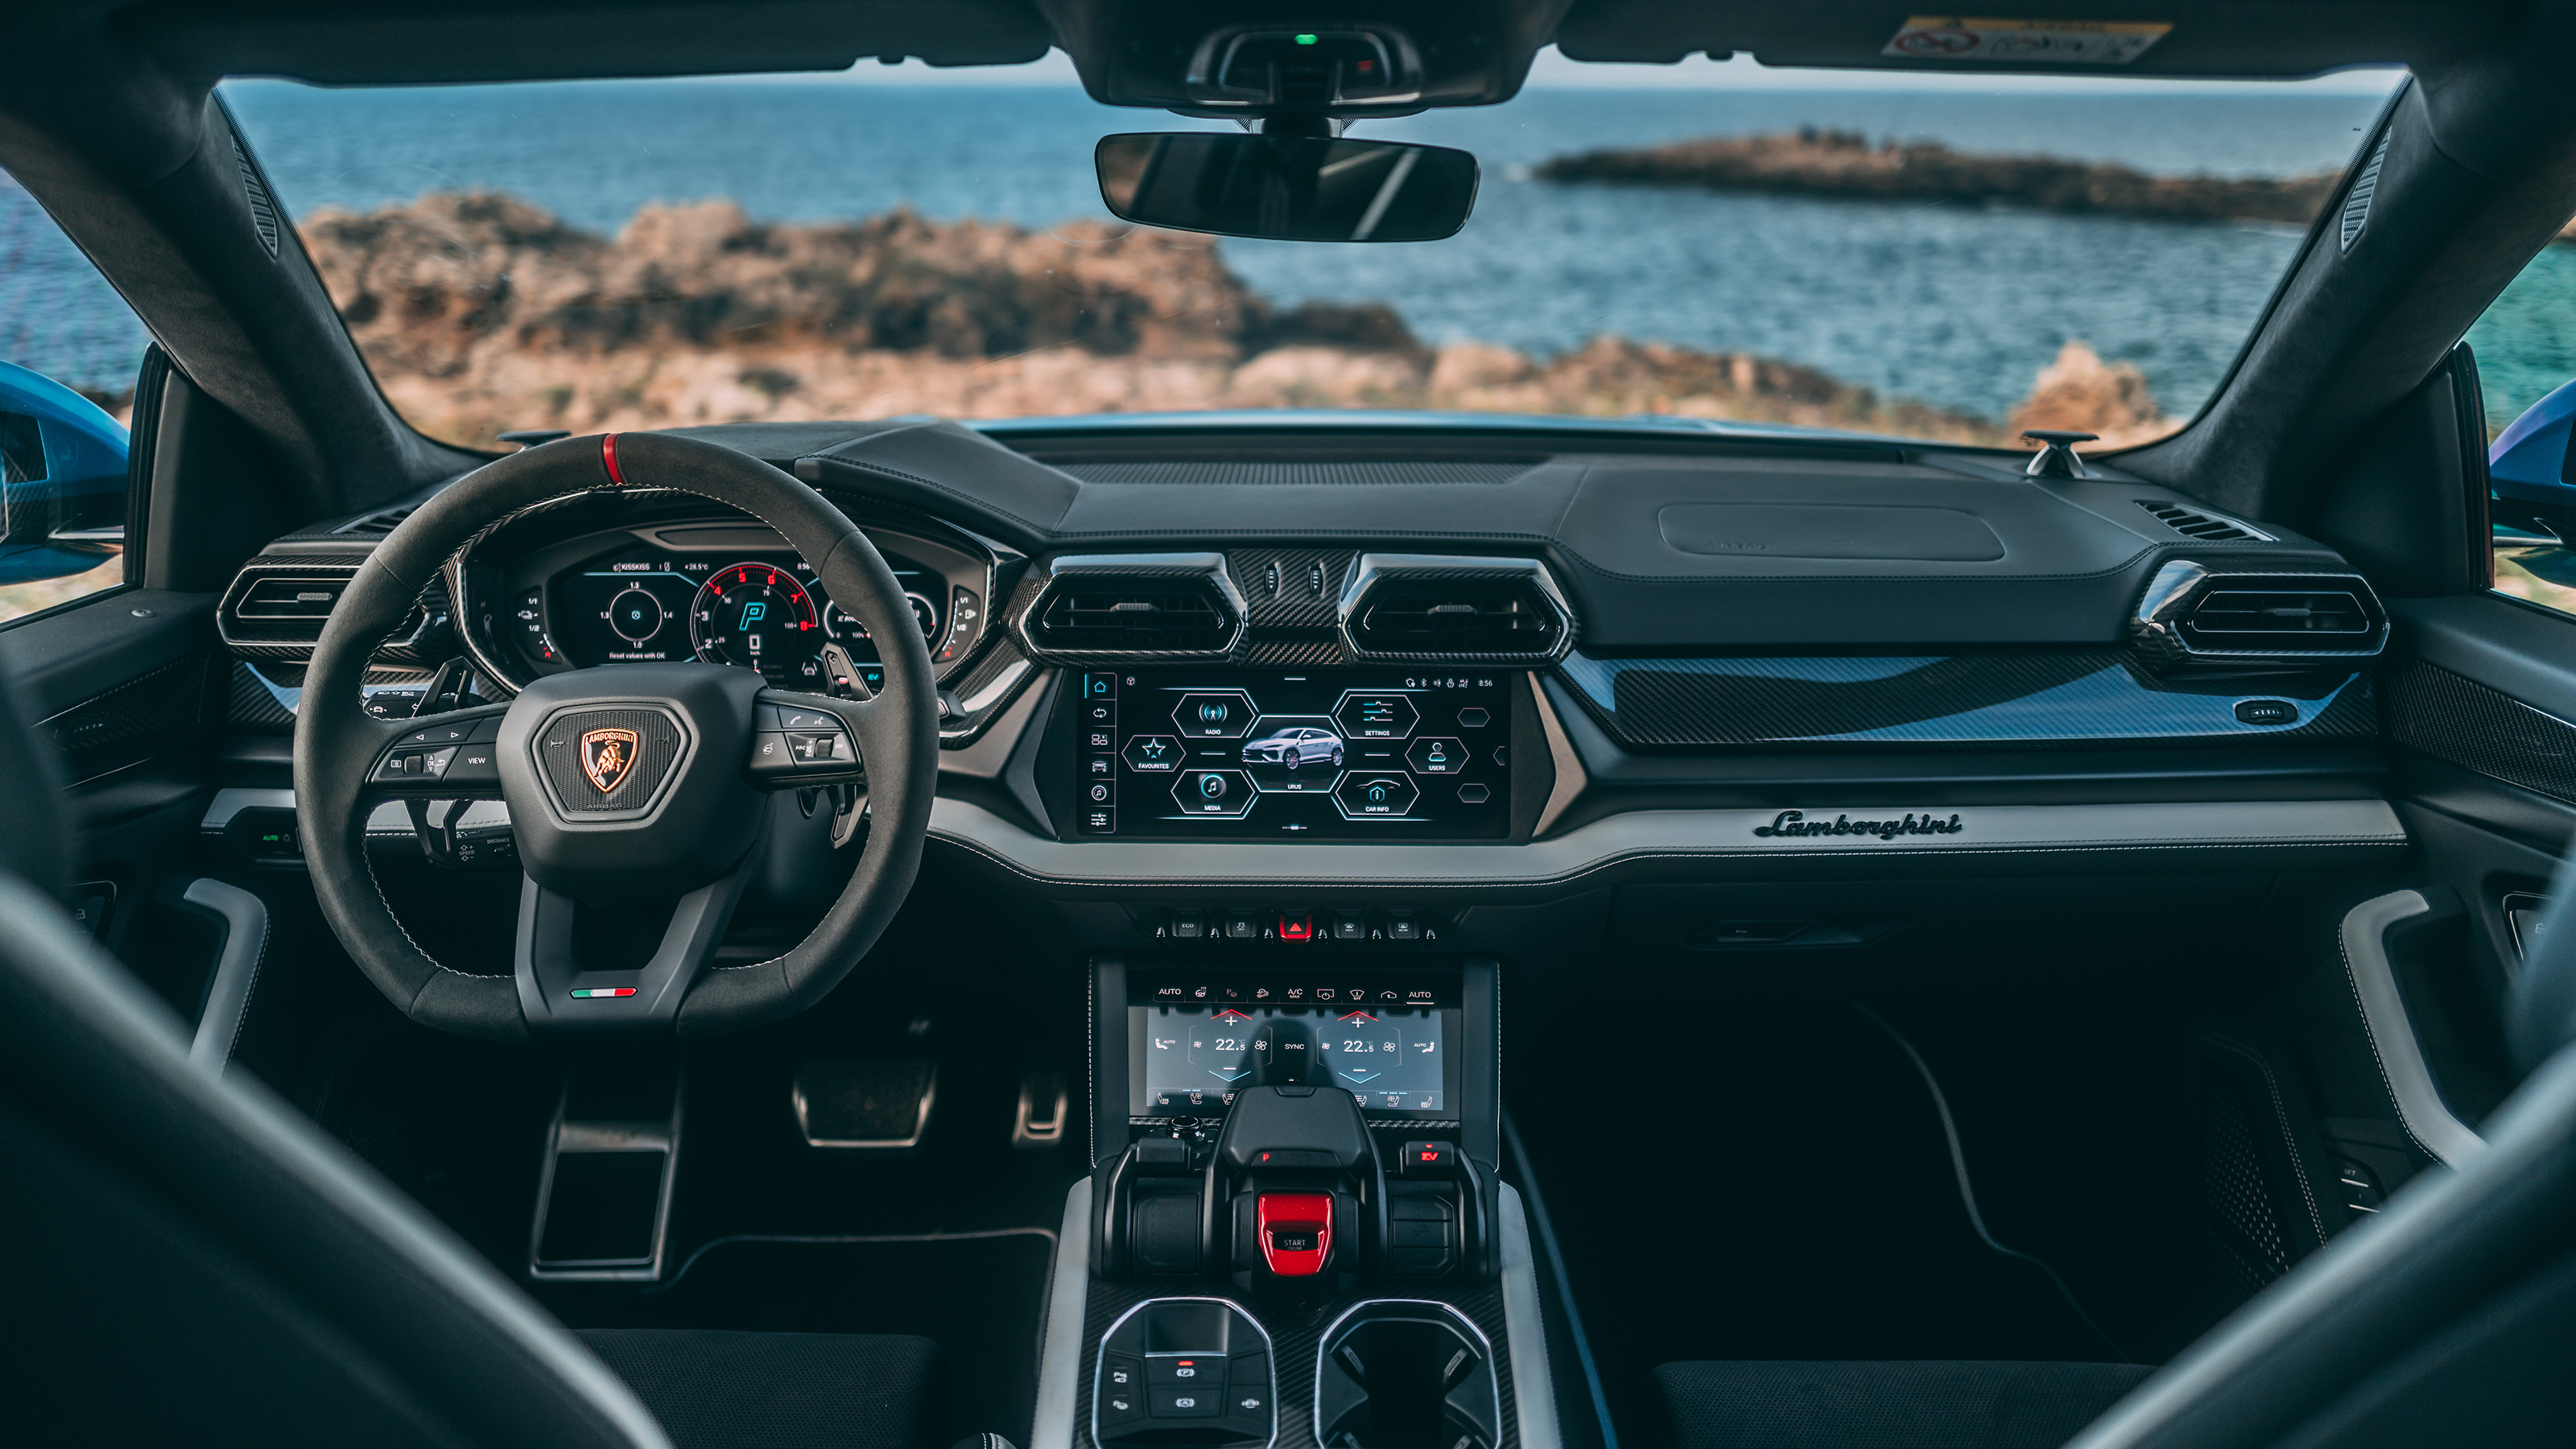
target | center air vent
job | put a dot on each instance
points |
(1428, 608)
(1122, 608)
(2191, 613)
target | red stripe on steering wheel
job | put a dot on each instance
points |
(608, 456)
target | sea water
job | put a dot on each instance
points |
(1953, 304)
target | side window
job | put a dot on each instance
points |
(2526, 351)
(70, 351)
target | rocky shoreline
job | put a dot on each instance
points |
(1814, 162)
(480, 313)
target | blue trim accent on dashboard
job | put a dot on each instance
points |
(2033, 698)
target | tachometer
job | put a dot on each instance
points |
(757, 615)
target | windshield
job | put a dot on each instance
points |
(1822, 250)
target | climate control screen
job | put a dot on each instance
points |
(1333, 754)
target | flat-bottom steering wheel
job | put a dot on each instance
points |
(629, 785)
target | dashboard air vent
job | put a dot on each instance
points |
(284, 599)
(2191, 613)
(2203, 526)
(2280, 617)
(1428, 608)
(1465, 618)
(378, 524)
(1098, 609)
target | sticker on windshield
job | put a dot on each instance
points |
(2055, 42)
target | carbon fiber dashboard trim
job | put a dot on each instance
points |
(1713, 836)
(2460, 720)
(2027, 697)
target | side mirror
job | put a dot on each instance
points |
(2532, 468)
(62, 479)
(1287, 188)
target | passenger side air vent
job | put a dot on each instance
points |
(1136, 606)
(2208, 528)
(2190, 613)
(2279, 612)
(1427, 609)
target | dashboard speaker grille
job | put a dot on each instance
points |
(2202, 526)
(1324, 474)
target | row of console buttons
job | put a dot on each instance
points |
(1185, 1386)
(1298, 927)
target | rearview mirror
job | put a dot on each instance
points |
(1288, 188)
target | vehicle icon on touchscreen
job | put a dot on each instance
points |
(1295, 746)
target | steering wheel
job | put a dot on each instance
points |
(629, 785)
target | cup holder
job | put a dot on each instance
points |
(1397, 1374)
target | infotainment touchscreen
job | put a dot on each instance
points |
(1193, 1043)
(1332, 754)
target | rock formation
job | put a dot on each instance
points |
(481, 313)
(1840, 163)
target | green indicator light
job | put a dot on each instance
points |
(1305, 40)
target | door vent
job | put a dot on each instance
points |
(1187, 610)
(263, 208)
(2192, 613)
(1481, 610)
(2356, 202)
(2207, 527)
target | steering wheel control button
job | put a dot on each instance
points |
(1367, 714)
(455, 734)
(477, 764)
(1213, 792)
(416, 764)
(1436, 755)
(1376, 796)
(816, 750)
(770, 755)
(1153, 754)
(789, 717)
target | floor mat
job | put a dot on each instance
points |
(1813, 1213)
(981, 1295)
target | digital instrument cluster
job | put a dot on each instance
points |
(1331, 754)
(763, 611)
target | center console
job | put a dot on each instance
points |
(1295, 1232)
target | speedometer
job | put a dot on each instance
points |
(756, 615)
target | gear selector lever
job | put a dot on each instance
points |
(1295, 1192)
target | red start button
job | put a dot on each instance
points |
(1296, 1232)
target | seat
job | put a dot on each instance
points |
(1907, 1405)
(185, 1259)
(2448, 1318)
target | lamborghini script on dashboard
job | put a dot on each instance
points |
(1795, 822)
